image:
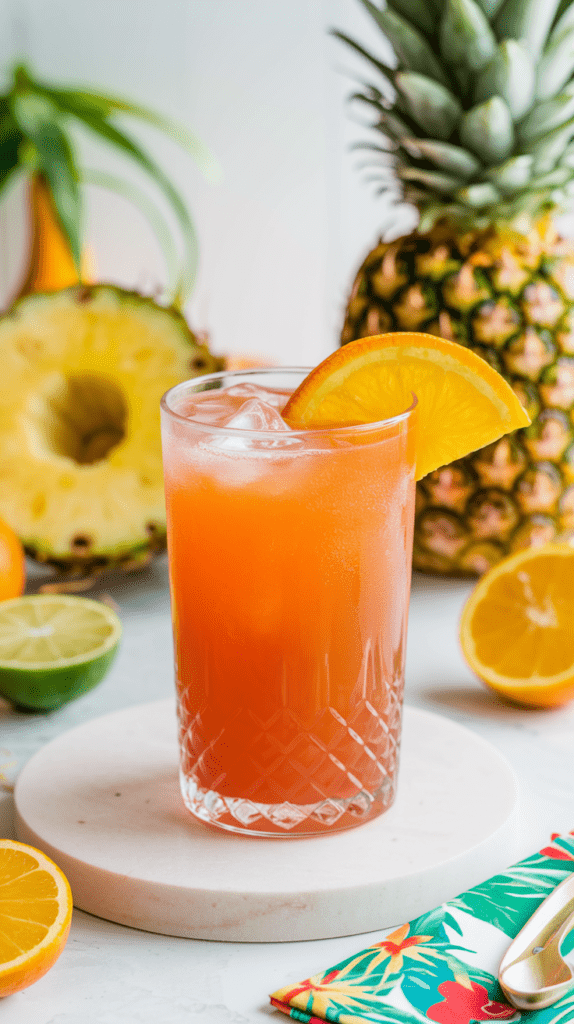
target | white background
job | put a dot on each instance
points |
(264, 85)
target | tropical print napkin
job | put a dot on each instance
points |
(442, 966)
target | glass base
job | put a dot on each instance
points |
(288, 820)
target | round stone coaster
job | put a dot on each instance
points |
(103, 801)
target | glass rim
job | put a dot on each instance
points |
(372, 425)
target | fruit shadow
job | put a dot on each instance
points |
(473, 703)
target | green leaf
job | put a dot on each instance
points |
(490, 7)
(41, 114)
(383, 177)
(149, 210)
(392, 126)
(370, 99)
(556, 64)
(428, 102)
(430, 213)
(412, 49)
(37, 121)
(7, 177)
(383, 69)
(417, 12)
(388, 121)
(112, 134)
(487, 130)
(564, 18)
(415, 196)
(527, 20)
(567, 159)
(553, 179)
(562, 197)
(512, 174)
(547, 116)
(549, 149)
(10, 138)
(86, 105)
(466, 37)
(444, 155)
(479, 195)
(510, 74)
(432, 180)
(383, 150)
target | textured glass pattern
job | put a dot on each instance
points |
(296, 777)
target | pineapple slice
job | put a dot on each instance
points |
(83, 371)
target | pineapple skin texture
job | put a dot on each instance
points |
(509, 297)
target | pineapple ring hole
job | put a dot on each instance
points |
(82, 417)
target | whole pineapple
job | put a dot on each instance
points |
(477, 123)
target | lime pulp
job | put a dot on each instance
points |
(54, 647)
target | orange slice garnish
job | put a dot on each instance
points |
(463, 403)
(35, 915)
(516, 627)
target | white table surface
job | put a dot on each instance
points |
(109, 974)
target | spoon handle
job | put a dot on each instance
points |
(533, 974)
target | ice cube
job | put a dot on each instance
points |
(278, 398)
(206, 408)
(245, 390)
(256, 428)
(256, 415)
(252, 415)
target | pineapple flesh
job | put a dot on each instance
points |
(83, 371)
(486, 266)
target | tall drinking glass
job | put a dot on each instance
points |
(290, 561)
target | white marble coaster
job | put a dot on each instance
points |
(103, 801)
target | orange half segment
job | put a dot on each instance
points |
(463, 403)
(516, 627)
(35, 915)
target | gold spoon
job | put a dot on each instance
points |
(533, 974)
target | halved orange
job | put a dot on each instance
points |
(12, 563)
(35, 915)
(463, 403)
(516, 629)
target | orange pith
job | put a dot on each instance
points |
(463, 403)
(35, 915)
(516, 628)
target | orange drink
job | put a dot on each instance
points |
(290, 560)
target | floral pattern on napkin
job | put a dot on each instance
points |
(442, 966)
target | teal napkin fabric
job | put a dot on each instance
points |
(442, 966)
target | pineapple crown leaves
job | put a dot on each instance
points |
(35, 121)
(477, 111)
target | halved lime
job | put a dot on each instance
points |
(54, 647)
